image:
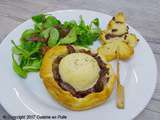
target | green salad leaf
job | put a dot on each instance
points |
(54, 36)
(70, 38)
(19, 50)
(39, 18)
(18, 69)
(69, 24)
(29, 57)
(46, 33)
(95, 22)
(50, 22)
(38, 27)
(27, 34)
(87, 34)
(33, 66)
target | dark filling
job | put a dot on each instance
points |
(108, 36)
(119, 22)
(98, 87)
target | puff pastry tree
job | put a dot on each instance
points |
(116, 38)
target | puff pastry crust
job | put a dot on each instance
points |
(116, 37)
(65, 98)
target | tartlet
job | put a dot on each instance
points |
(88, 91)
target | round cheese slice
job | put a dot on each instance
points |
(79, 70)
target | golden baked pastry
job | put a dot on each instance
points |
(109, 51)
(115, 28)
(94, 77)
(116, 38)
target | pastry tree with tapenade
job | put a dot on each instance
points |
(116, 37)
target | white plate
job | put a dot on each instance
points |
(29, 96)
